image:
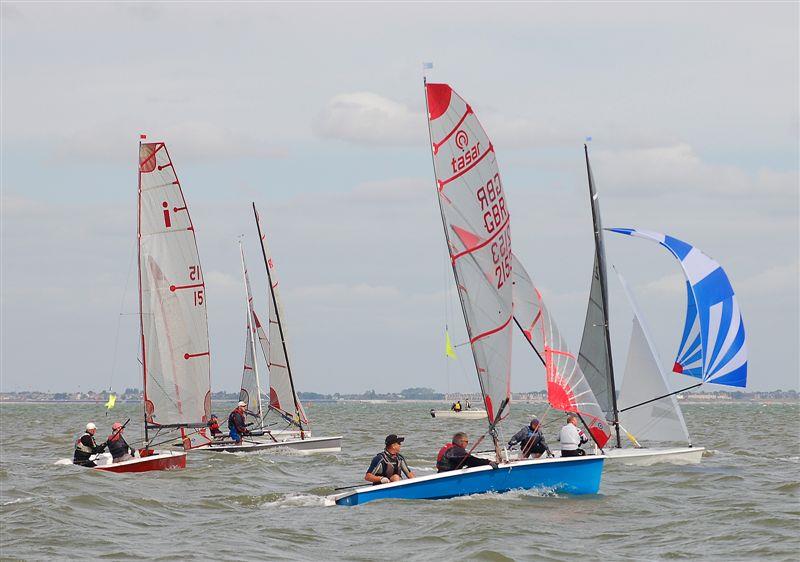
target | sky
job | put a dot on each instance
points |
(316, 113)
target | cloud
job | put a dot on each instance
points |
(778, 279)
(370, 119)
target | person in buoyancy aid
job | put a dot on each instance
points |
(117, 446)
(213, 426)
(572, 438)
(457, 406)
(389, 465)
(85, 447)
(454, 455)
(236, 423)
(531, 441)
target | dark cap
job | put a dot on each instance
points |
(390, 439)
(534, 421)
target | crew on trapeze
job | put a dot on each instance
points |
(236, 423)
(86, 446)
(571, 438)
(531, 441)
(456, 407)
(117, 446)
(389, 465)
(454, 455)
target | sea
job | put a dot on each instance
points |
(741, 503)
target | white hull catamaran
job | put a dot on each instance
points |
(283, 399)
(476, 223)
(173, 321)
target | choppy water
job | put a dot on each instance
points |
(741, 503)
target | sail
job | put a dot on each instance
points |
(177, 377)
(567, 389)
(476, 221)
(660, 420)
(713, 347)
(250, 392)
(282, 396)
(594, 356)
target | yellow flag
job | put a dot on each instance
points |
(112, 399)
(448, 346)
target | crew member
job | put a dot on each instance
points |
(531, 441)
(454, 455)
(389, 465)
(85, 447)
(572, 438)
(213, 426)
(117, 446)
(457, 406)
(236, 423)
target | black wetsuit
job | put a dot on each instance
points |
(119, 447)
(85, 447)
(454, 456)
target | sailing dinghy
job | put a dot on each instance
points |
(173, 321)
(476, 222)
(283, 400)
(649, 411)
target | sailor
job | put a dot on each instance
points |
(457, 406)
(236, 423)
(213, 426)
(389, 465)
(454, 455)
(572, 438)
(531, 441)
(85, 447)
(468, 404)
(117, 446)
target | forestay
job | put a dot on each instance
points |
(282, 396)
(250, 392)
(660, 420)
(567, 389)
(476, 220)
(177, 379)
(713, 346)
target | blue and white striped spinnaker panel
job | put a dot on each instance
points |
(713, 347)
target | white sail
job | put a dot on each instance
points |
(177, 378)
(282, 396)
(660, 420)
(250, 392)
(477, 228)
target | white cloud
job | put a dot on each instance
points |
(371, 119)
(775, 280)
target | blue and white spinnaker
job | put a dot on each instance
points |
(713, 346)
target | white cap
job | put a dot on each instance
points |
(90, 425)
(243, 404)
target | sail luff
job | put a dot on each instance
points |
(141, 310)
(297, 406)
(587, 356)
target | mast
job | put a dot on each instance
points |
(280, 325)
(250, 331)
(139, 265)
(492, 430)
(600, 256)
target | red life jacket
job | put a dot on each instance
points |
(441, 463)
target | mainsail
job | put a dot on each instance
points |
(282, 395)
(476, 223)
(713, 346)
(656, 420)
(567, 389)
(594, 356)
(174, 325)
(250, 392)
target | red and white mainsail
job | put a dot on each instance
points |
(174, 325)
(250, 392)
(476, 221)
(282, 395)
(567, 388)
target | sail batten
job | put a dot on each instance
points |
(174, 325)
(476, 224)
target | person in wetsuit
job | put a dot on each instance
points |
(531, 441)
(454, 455)
(236, 423)
(388, 465)
(117, 446)
(86, 446)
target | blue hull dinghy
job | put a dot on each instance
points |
(574, 475)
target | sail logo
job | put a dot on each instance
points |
(469, 158)
(462, 139)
